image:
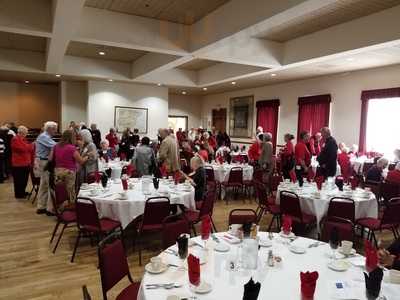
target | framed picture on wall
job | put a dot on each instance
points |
(130, 117)
(241, 116)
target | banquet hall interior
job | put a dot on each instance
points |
(177, 149)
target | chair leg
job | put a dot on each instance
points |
(213, 225)
(374, 238)
(59, 237)
(54, 232)
(194, 230)
(76, 246)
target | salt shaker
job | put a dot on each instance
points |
(270, 260)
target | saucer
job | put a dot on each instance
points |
(222, 247)
(149, 268)
(288, 236)
(297, 249)
(202, 288)
(339, 265)
(352, 252)
(265, 243)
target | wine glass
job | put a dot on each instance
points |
(104, 180)
(183, 245)
(334, 244)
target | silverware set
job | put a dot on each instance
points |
(167, 286)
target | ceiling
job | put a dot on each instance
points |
(335, 13)
(112, 53)
(177, 11)
(16, 41)
(198, 64)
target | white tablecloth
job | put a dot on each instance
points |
(278, 283)
(316, 203)
(109, 205)
(115, 165)
(315, 165)
(221, 172)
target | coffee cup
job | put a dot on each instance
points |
(234, 229)
(123, 195)
(347, 246)
(155, 263)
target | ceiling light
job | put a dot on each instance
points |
(233, 82)
(110, 80)
(159, 84)
(204, 89)
(273, 75)
(26, 81)
(102, 53)
(58, 75)
(183, 92)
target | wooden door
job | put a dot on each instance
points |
(219, 119)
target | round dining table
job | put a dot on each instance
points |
(112, 204)
(221, 171)
(316, 202)
(281, 281)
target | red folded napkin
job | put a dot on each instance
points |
(129, 170)
(193, 269)
(205, 227)
(122, 156)
(286, 224)
(220, 159)
(293, 176)
(177, 177)
(97, 176)
(310, 175)
(371, 256)
(353, 182)
(319, 180)
(308, 282)
(124, 182)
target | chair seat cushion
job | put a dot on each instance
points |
(108, 224)
(130, 292)
(307, 219)
(192, 215)
(68, 216)
(152, 227)
(373, 224)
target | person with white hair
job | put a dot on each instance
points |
(44, 144)
(96, 135)
(88, 149)
(393, 176)
(197, 178)
(21, 161)
(375, 173)
(106, 152)
(266, 156)
(259, 130)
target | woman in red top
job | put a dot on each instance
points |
(112, 138)
(287, 156)
(393, 176)
(302, 156)
(21, 161)
(255, 149)
(344, 162)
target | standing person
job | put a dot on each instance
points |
(125, 146)
(144, 159)
(135, 137)
(302, 156)
(44, 143)
(328, 157)
(267, 149)
(168, 153)
(255, 149)
(2, 155)
(88, 149)
(66, 157)
(96, 135)
(21, 161)
(112, 138)
(287, 156)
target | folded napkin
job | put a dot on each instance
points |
(371, 256)
(373, 282)
(319, 180)
(124, 182)
(251, 290)
(177, 177)
(286, 224)
(310, 175)
(308, 282)
(194, 269)
(353, 182)
(129, 170)
(220, 159)
(205, 227)
(293, 176)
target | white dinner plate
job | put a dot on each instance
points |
(288, 236)
(203, 288)
(339, 265)
(297, 249)
(265, 243)
(222, 247)
(149, 268)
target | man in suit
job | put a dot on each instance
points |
(328, 156)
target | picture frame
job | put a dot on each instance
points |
(131, 117)
(241, 113)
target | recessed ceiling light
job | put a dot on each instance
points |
(204, 89)
(273, 75)
(58, 75)
(110, 80)
(233, 82)
(159, 84)
(26, 81)
(350, 58)
(183, 92)
(102, 53)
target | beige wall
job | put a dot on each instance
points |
(344, 88)
(74, 98)
(29, 104)
(186, 105)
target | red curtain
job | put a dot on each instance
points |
(365, 97)
(267, 117)
(313, 113)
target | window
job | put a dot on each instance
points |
(383, 125)
(176, 122)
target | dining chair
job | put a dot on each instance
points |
(173, 227)
(64, 216)
(91, 177)
(267, 204)
(114, 267)
(156, 209)
(35, 181)
(89, 223)
(390, 220)
(389, 190)
(85, 292)
(210, 178)
(235, 181)
(342, 207)
(207, 208)
(290, 205)
(344, 227)
(242, 216)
